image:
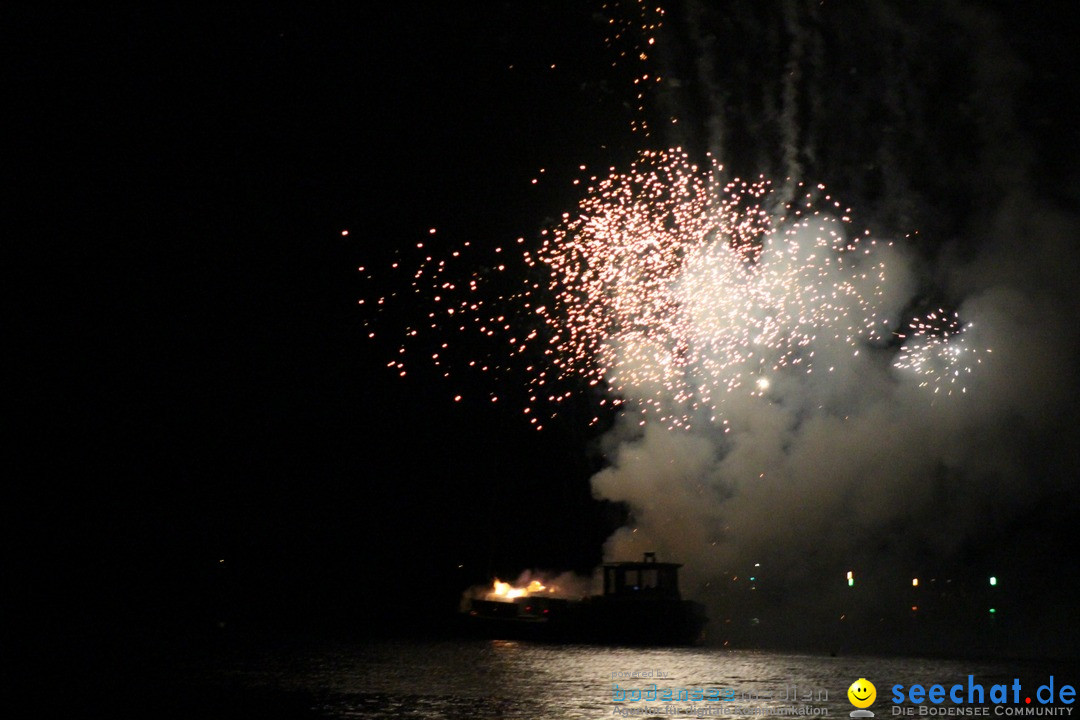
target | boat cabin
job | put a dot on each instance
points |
(646, 578)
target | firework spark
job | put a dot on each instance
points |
(633, 27)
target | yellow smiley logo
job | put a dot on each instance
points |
(862, 693)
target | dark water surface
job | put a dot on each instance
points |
(501, 679)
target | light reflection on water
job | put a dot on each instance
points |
(500, 679)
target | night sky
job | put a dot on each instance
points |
(200, 386)
(205, 389)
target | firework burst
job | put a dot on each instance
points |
(938, 352)
(670, 291)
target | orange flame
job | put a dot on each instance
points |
(505, 591)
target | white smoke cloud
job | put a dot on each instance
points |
(860, 467)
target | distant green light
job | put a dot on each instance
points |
(993, 610)
(851, 582)
(752, 579)
(993, 580)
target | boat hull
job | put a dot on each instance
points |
(601, 619)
